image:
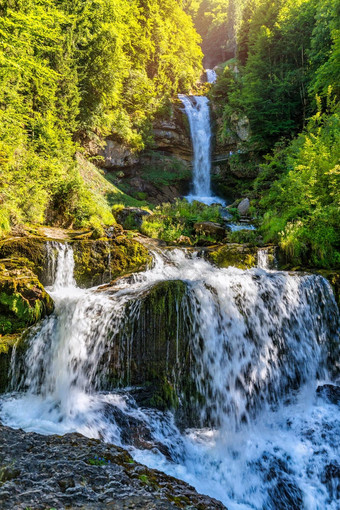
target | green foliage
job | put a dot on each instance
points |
(171, 221)
(302, 207)
(287, 52)
(165, 170)
(73, 71)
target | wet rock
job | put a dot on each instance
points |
(243, 207)
(331, 478)
(69, 475)
(210, 228)
(153, 349)
(330, 392)
(32, 249)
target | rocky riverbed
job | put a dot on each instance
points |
(65, 472)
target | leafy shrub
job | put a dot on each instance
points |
(171, 221)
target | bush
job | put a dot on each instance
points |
(171, 221)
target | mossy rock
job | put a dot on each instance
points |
(23, 300)
(97, 262)
(153, 350)
(241, 256)
(33, 249)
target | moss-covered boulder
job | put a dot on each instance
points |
(242, 256)
(32, 249)
(23, 300)
(102, 260)
(153, 350)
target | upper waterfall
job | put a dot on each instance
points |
(198, 113)
(211, 75)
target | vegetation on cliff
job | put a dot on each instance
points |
(284, 78)
(71, 73)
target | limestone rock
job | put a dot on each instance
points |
(241, 126)
(61, 472)
(118, 155)
(243, 207)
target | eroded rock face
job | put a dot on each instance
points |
(40, 472)
(172, 134)
(117, 155)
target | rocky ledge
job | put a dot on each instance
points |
(44, 472)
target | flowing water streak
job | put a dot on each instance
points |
(259, 339)
(211, 75)
(262, 259)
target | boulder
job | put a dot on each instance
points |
(330, 392)
(131, 217)
(243, 207)
(153, 351)
(100, 261)
(210, 228)
(240, 125)
(242, 256)
(23, 300)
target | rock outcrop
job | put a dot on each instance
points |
(243, 256)
(153, 350)
(39, 472)
(102, 260)
(23, 300)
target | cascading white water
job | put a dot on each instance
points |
(211, 75)
(263, 259)
(262, 341)
(198, 113)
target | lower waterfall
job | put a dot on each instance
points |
(263, 342)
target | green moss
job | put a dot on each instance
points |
(23, 300)
(155, 349)
(97, 262)
(236, 255)
(32, 249)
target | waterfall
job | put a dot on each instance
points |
(198, 113)
(261, 343)
(211, 75)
